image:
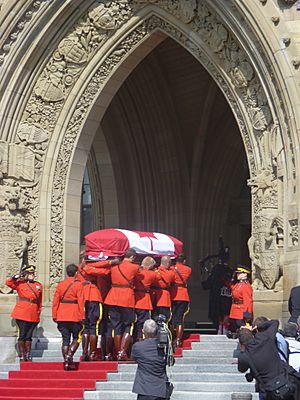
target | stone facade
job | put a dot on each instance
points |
(62, 64)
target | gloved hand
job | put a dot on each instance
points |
(16, 277)
(115, 261)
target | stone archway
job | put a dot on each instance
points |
(74, 87)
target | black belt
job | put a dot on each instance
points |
(88, 283)
(142, 290)
(64, 301)
(237, 301)
(160, 288)
(180, 285)
(34, 301)
(121, 286)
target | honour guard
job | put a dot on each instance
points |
(180, 296)
(121, 303)
(93, 310)
(142, 284)
(28, 308)
(68, 313)
(161, 298)
(242, 303)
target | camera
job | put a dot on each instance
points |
(163, 334)
(164, 339)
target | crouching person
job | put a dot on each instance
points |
(68, 313)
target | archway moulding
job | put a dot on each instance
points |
(82, 75)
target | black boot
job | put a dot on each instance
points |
(65, 350)
(93, 348)
(109, 346)
(125, 344)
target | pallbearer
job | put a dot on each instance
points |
(142, 284)
(28, 308)
(180, 296)
(161, 290)
(68, 312)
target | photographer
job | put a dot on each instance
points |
(291, 335)
(151, 377)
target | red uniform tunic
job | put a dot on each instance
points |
(161, 295)
(29, 305)
(179, 290)
(142, 283)
(102, 275)
(89, 282)
(241, 300)
(71, 306)
(121, 293)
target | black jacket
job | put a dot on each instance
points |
(151, 376)
(263, 353)
(294, 304)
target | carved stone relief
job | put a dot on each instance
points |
(226, 59)
(293, 232)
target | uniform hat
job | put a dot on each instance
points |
(29, 268)
(241, 268)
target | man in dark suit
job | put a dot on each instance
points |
(294, 304)
(151, 376)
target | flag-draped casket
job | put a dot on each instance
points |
(114, 242)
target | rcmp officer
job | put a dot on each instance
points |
(68, 312)
(180, 296)
(121, 303)
(28, 308)
(93, 310)
(101, 272)
(161, 290)
(142, 284)
(242, 302)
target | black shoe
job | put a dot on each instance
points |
(231, 335)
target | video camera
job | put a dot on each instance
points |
(165, 339)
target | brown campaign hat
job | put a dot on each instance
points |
(241, 268)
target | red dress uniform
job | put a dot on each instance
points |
(161, 295)
(121, 293)
(178, 290)
(142, 283)
(100, 270)
(89, 282)
(29, 305)
(241, 300)
(71, 306)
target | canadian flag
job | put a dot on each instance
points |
(114, 242)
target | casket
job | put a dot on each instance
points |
(114, 242)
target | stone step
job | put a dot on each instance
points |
(205, 360)
(191, 386)
(214, 368)
(9, 367)
(52, 359)
(51, 353)
(3, 375)
(177, 395)
(209, 353)
(216, 338)
(214, 345)
(185, 377)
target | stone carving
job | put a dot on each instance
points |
(81, 44)
(293, 232)
(14, 230)
(264, 250)
(288, 2)
(17, 161)
(24, 20)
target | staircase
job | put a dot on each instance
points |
(207, 370)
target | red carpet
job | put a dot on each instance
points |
(48, 380)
